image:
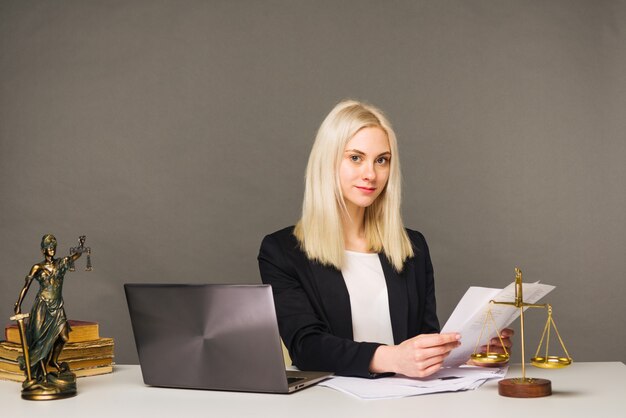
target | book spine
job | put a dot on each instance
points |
(103, 347)
(94, 371)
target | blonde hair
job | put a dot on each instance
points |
(320, 230)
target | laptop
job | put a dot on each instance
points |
(211, 336)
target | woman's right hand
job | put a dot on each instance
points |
(419, 356)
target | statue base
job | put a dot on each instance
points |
(525, 387)
(59, 385)
(46, 395)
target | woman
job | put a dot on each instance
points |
(354, 289)
(48, 329)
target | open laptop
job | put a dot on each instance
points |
(222, 337)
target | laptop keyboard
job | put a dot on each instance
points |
(291, 380)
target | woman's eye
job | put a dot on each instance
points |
(382, 160)
(355, 158)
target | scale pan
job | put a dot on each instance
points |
(489, 358)
(551, 362)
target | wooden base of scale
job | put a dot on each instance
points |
(524, 387)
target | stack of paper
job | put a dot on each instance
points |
(451, 379)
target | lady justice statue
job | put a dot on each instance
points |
(47, 329)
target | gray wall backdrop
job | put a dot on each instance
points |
(175, 135)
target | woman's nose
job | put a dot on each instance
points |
(369, 173)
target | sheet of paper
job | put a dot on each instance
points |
(469, 316)
(445, 380)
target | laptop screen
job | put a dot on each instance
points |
(207, 336)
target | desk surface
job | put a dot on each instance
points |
(583, 389)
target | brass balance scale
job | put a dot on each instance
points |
(524, 387)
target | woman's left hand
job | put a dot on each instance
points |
(496, 347)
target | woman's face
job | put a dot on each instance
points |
(364, 168)
(50, 250)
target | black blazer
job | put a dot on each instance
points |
(313, 304)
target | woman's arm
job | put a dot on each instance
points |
(423, 353)
(419, 356)
(307, 335)
(430, 322)
(27, 282)
(75, 256)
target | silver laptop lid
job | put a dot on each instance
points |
(210, 336)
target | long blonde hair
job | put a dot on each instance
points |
(320, 230)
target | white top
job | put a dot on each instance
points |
(369, 302)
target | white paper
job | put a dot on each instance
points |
(451, 379)
(469, 316)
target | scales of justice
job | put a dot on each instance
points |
(47, 330)
(522, 387)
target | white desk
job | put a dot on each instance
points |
(581, 390)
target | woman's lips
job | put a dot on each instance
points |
(367, 190)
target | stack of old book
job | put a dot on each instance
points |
(86, 353)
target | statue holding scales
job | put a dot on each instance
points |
(47, 330)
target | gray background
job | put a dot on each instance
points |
(175, 135)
